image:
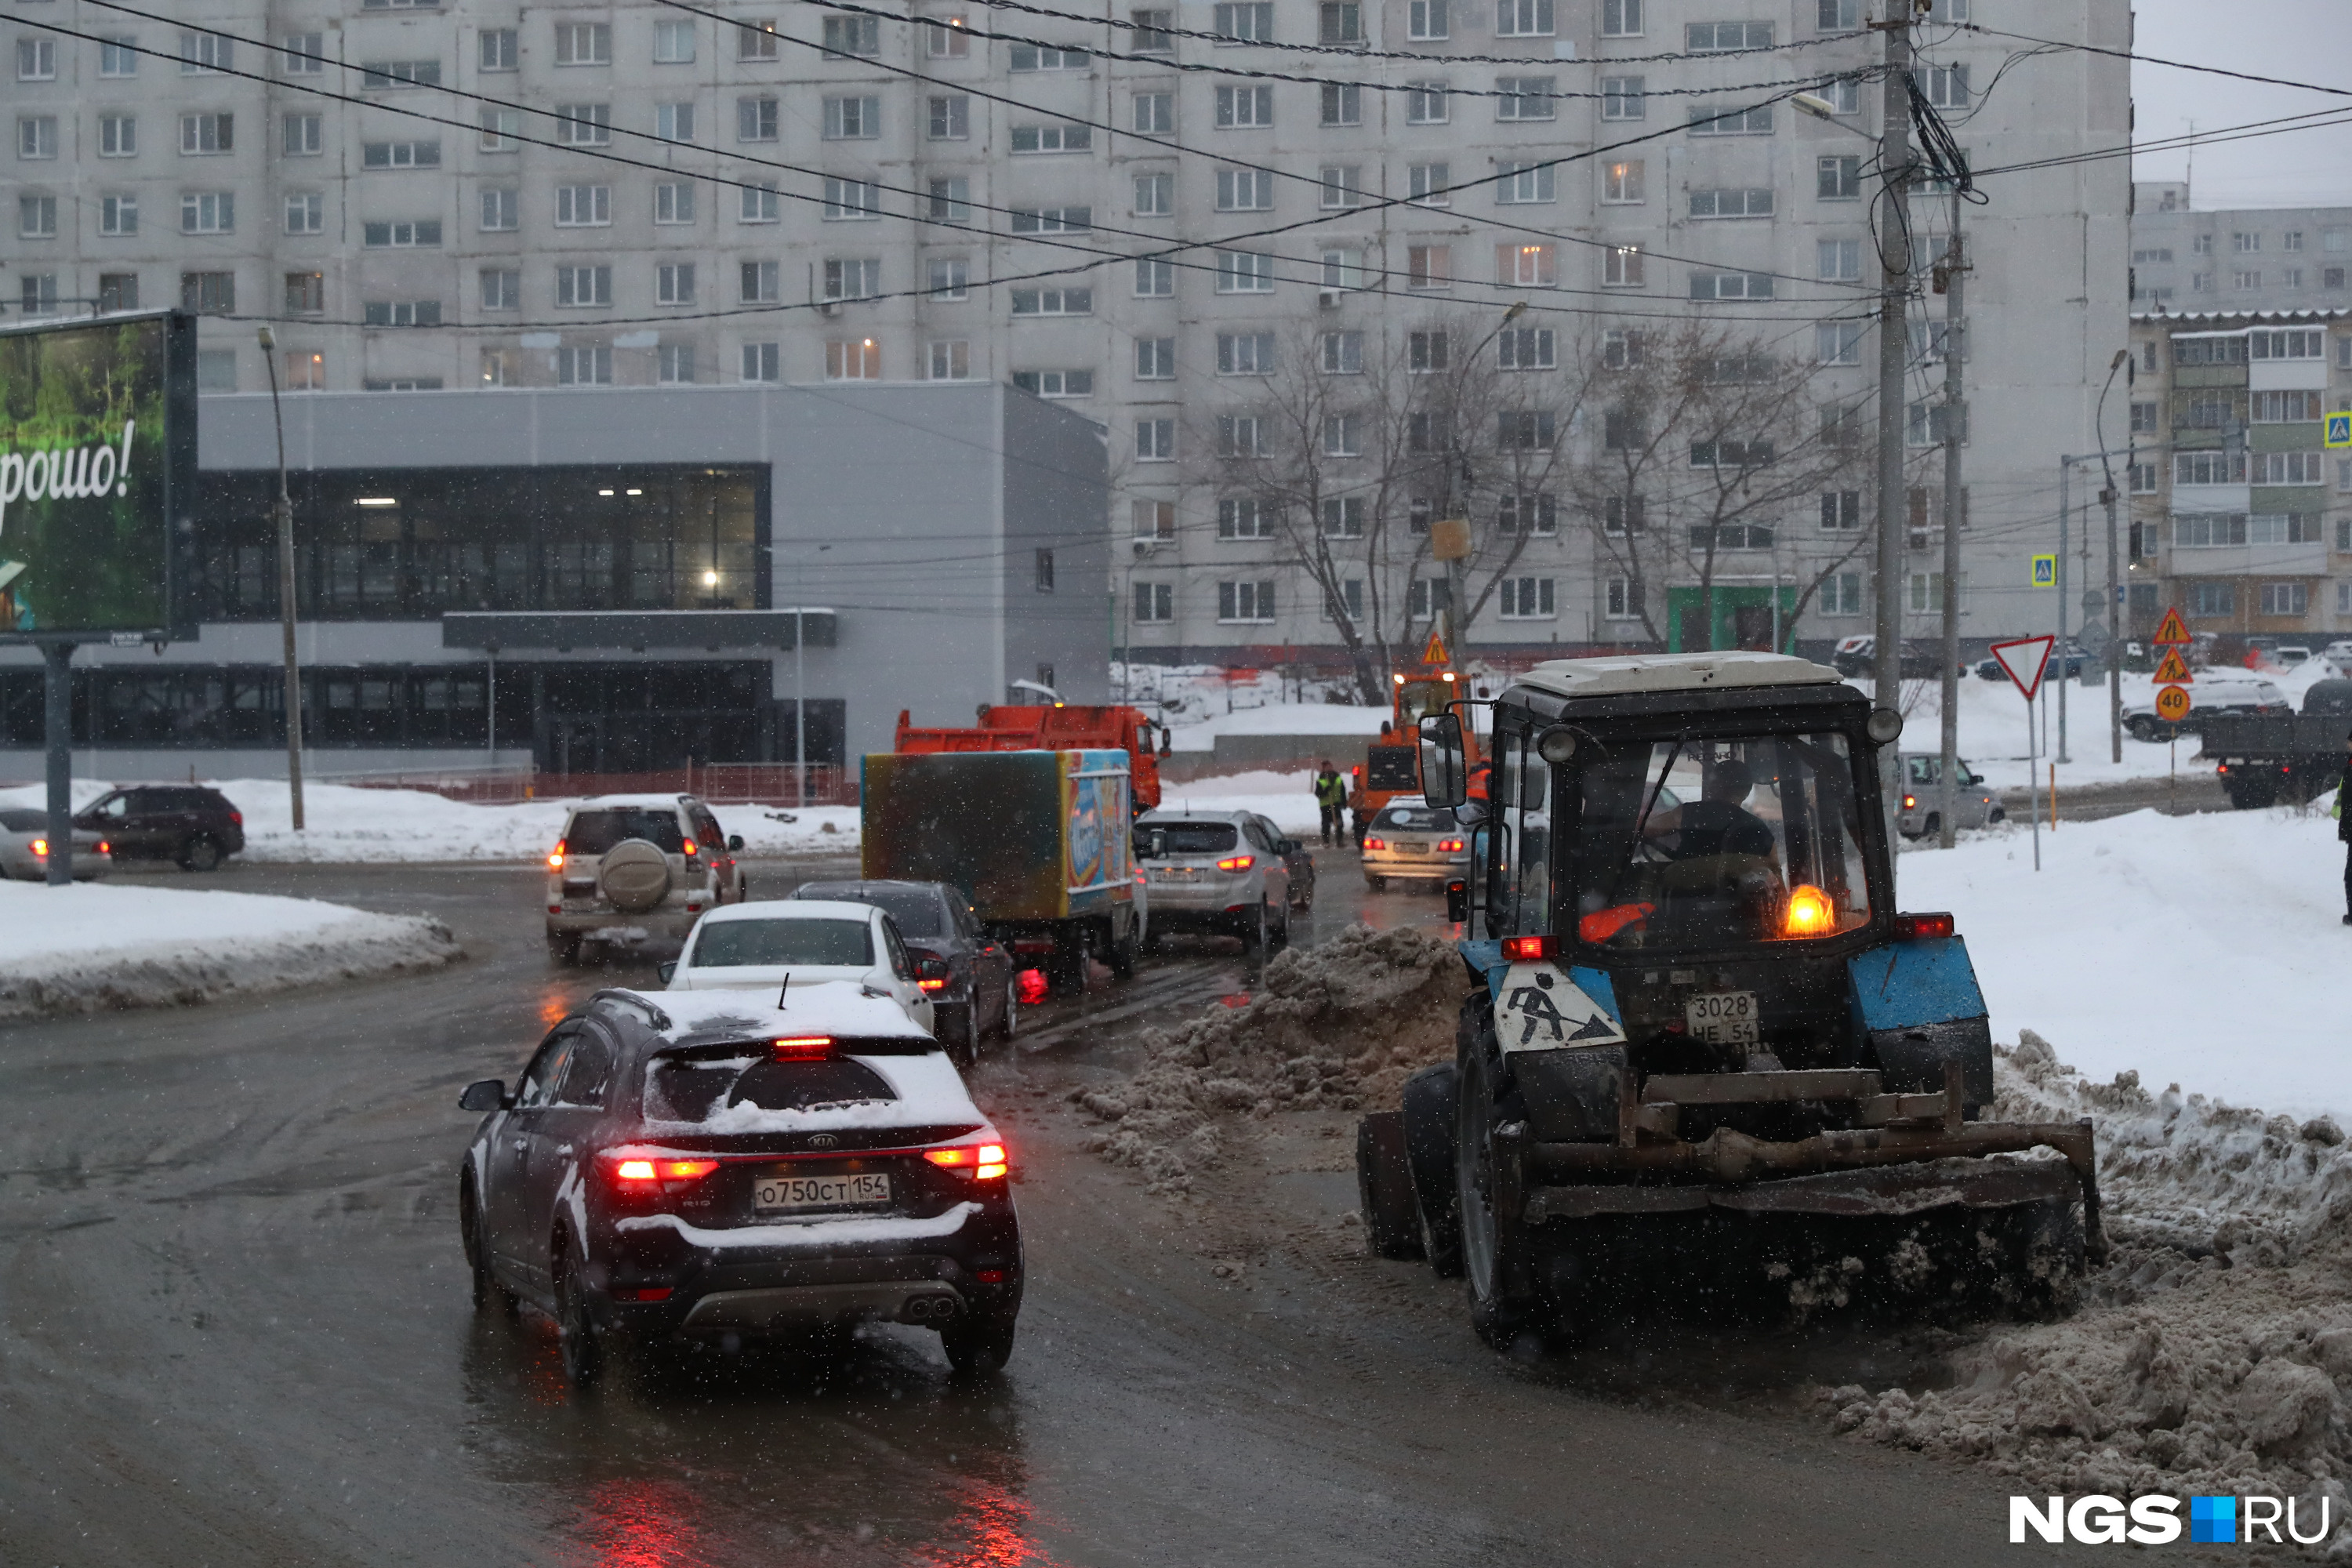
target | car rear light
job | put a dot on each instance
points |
(1449, 846)
(1810, 912)
(104, 848)
(1030, 986)
(988, 1276)
(933, 984)
(1909, 801)
(41, 846)
(800, 1048)
(1376, 843)
(642, 1172)
(555, 857)
(1529, 948)
(1236, 862)
(985, 1162)
(555, 909)
(641, 1293)
(690, 848)
(1922, 928)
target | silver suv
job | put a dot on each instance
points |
(1973, 804)
(1222, 872)
(1409, 840)
(636, 868)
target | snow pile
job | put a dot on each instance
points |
(1332, 1027)
(91, 947)
(2215, 1353)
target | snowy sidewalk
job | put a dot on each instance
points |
(92, 947)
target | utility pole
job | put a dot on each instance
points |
(282, 512)
(1894, 349)
(2066, 502)
(2115, 648)
(1955, 425)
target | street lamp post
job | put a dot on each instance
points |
(282, 512)
(2115, 577)
(1449, 535)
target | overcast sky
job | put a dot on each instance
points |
(2302, 40)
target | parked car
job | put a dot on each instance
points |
(2214, 691)
(2337, 656)
(192, 824)
(633, 867)
(24, 849)
(1225, 872)
(2290, 656)
(969, 975)
(1410, 840)
(711, 1166)
(1855, 658)
(2067, 661)
(783, 943)
(1973, 806)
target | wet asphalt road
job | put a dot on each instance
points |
(233, 1330)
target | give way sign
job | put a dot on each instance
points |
(2025, 659)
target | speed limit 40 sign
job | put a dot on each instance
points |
(2172, 703)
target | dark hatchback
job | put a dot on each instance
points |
(708, 1165)
(975, 998)
(192, 824)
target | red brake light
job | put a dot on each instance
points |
(1529, 948)
(1909, 801)
(1449, 846)
(1376, 843)
(801, 1047)
(104, 848)
(1030, 983)
(933, 984)
(555, 857)
(641, 1293)
(986, 1161)
(689, 846)
(1236, 862)
(1921, 928)
(238, 817)
(637, 1170)
(41, 846)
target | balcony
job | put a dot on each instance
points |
(2250, 560)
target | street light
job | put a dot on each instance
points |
(2115, 577)
(282, 512)
(1449, 535)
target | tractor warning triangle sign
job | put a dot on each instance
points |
(2171, 632)
(2172, 670)
(2025, 659)
(1436, 652)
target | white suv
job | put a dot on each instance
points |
(634, 868)
(1222, 872)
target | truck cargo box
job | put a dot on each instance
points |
(1028, 835)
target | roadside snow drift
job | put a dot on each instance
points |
(92, 947)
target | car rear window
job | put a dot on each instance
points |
(729, 944)
(917, 910)
(1195, 837)
(700, 1085)
(1424, 818)
(595, 832)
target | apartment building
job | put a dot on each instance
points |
(1110, 213)
(2240, 515)
(2239, 259)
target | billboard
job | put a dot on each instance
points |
(98, 445)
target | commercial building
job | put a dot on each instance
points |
(609, 581)
(2236, 260)
(1282, 293)
(2240, 515)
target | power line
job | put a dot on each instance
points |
(2137, 58)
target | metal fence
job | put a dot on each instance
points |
(720, 783)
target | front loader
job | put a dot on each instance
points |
(1701, 1054)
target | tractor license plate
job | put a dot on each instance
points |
(773, 1194)
(1722, 1018)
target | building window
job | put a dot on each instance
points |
(1841, 593)
(1155, 440)
(118, 215)
(305, 371)
(1155, 278)
(1042, 57)
(1750, 200)
(117, 59)
(118, 136)
(1245, 272)
(306, 293)
(1621, 516)
(1721, 454)
(37, 136)
(1523, 430)
(216, 370)
(1152, 33)
(1948, 86)
(1731, 286)
(1535, 515)
(758, 201)
(579, 288)
(1620, 266)
(1340, 22)
(1045, 571)
(1523, 18)
(1838, 15)
(1426, 185)
(2285, 599)
(1051, 220)
(673, 43)
(1155, 359)
(951, 199)
(1704, 37)
(1753, 121)
(2288, 468)
(305, 212)
(1525, 266)
(949, 359)
(585, 124)
(1240, 108)
(583, 44)
(501, 289)
(950, 278)
(1623, 600)
(755, 118)
(1343, 435)
(949, 118)
(1840, 343)
(399, 312)
(2143, 478)
(501, 208)
(1343, 517)
(674, 364)
(1343, 103)
(1426, 596)
(1245, 602)
(389, 75)
(1521, 98)
(763, 362)
(1429, 267)
(202, 54)
(1621, 18)
(1425, 353)
(1343, 353)
(1838, 178)
(1155, 196)
(674, 202)
(380, 154)
(674, 283)
(1526, 348)
(2212, 599)
(852, 278)
(674, 121)
(501, 130)
(1525, 184)
(588, 365)
(1061, 302)
(1153, 519)
(1154, 114)
(1154, 601)
(37, 217)
(1528, 599)
(757, 40)
(1238, 436)
(1244, 21)
(208, 212)
(1055, 383)
(845, 119)
(497, 49)
(852, 201)
(1427, 103)
(1053, 137)
(208, 293)
(1841, 511)
(584, 207)
(946, 39)
(1244, 190)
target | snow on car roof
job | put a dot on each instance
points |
(793, 910)
(840, 1007)
(1675, 672)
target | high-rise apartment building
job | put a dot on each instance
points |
(2238, 260)
(1269, 244)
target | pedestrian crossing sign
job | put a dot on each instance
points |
(2045, 571)
(2339, 430)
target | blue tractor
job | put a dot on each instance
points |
(1700, 1051)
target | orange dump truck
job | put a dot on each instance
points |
(1055, 728)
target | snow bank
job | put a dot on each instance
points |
(2205, 950)
(92, 947)
(1286, 797)
(2215, 1353)
(1332, 1027)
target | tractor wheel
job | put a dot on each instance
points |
(1493, 1254)
(1429, 1117)
(1384, 1187)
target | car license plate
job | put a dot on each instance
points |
(1412, 848)
(1722, 1018)
(1176, 873)
(785, 1193)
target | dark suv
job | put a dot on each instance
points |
(191, 824)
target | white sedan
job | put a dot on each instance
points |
(799, 943)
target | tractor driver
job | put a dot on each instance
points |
(1718, 822)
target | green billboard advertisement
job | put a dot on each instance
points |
(97, 462)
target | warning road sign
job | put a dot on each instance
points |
(2172, 670)
(2172, 703)
(2339, 430)
(2025, 659)
(2171, 632)
(1436, 652)
(2045, 571)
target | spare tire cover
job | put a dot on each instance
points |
(633, 876)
